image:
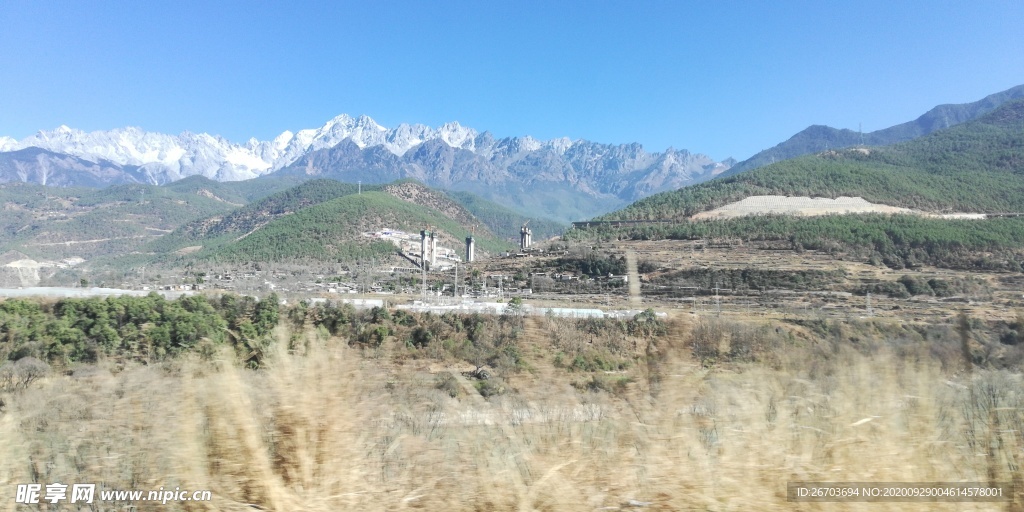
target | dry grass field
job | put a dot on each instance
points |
(715, 415)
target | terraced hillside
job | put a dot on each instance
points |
(73, 223)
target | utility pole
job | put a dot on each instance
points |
(455, 294)
(718, 302)
(360, 190)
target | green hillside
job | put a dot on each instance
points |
(331, 231)
(973, 167)
(459, 211)
(56, 223)
(251, 216)
(503, 221)
(819, 138)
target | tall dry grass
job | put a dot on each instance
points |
(333, 430)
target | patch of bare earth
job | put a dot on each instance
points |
(813, 206)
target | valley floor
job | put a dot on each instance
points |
(742, 389)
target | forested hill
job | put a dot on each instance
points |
(473, 214)
(251, 216)
(238, 192)
(503, 221)
(52, 223)
(333, 231)
(324, 220)
(972, 167)
(819, 138)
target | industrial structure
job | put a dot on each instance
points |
(525, 237)
(428, 248)
(470, 249)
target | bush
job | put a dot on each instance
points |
(379, 315)
(375, 337)
(490, 387)
(421, 337)
(615, 385)
(892, 289)
(447, 383)
(916, 285)
(646, 323)
(594, 361)
(22, 373)
(706, 341)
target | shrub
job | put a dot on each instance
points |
(916, 285)
(615, 385)
(421, 337)
(447, 383)
(646, 323)
(490, 387)
(22, 373)
(706, 341)
(379, 315)
(888, 288)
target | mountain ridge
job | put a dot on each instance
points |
(976, 166)
(816, 138)
(183, 154)
(597, 176)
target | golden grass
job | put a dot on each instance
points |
(333, 430)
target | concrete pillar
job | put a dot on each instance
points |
(433, 249)
(424, 247)
(525, 238)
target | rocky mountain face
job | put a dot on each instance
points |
(559, 178)
(35, 165)
(818, 138)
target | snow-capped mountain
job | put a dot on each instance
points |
(171, 157)
(450, 155)
(559, 179)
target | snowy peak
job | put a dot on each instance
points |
(161, 158)
(559, 145)
(407, 136)
(457, 136)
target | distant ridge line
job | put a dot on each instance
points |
(616, 223)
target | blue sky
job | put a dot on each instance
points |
(716, 77)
